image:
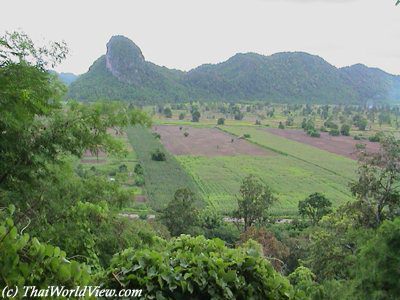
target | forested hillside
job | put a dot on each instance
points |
(290, 77)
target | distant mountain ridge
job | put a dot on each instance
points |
(123, 73)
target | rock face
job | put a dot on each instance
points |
(125, 60)
(289, 77)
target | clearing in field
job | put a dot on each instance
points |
(184, 140)
(342, 145)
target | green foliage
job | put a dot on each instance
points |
(377, 137)
(290, 77)
(158, 155)
(168, 112)
(138, 169)
(376, 189)
(180, 215)
(377, 272)
(254, 201)
(196, 268)
(334, 132)
(195, 115)
(221, 121)
(25, 261)
(360, 122)
(315, 207)
(281, 126)
(345, 130)
(303, 281)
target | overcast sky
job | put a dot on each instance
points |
(183, 34)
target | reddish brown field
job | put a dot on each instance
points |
(342, 145)
(205, 142)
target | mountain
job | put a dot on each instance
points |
(123, 73)
(372, 83)
(66, 78)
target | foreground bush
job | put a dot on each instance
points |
(197, 268)
(24, 261)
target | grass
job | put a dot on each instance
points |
(296, 171)
(162, 178)
(291, 180)
(330, 162)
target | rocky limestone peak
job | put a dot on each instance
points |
(124, 59)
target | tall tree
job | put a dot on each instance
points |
(254, 200)
(181, 215)
(377, 188)
(315, 207)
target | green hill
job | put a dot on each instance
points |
(123, 73)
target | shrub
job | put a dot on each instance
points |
(357, 137)
(247, 135)
(25, 261)
(197, 268)
(360, 146)
(331, 125)
(258, 122)
(281, 126)
(181, 116)
(221, 121)
(313, 133)
(334, 132)
(139, 181)
(138, 169)
(345, 130)
(158, 155)
(168, 112)
(123, 168)
(156, 135)
(186, 134)
(376, 138)
(323, 129)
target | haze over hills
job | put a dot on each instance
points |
(123, 73)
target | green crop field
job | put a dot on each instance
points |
(296, 171)
(162, 178)
(339, 165)
(291, 180)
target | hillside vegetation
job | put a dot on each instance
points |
(123, 73)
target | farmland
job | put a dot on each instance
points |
(342, 145)
(293, 170)
(181, 140)
(162, 178)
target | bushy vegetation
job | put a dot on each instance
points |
(198, 268)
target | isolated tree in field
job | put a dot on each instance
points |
(158, 155)
(254, 201)
(181, 116)
(345, 130)
(168, 112)
(377, 188)
(315, 207)
(181, 215)
(195, 115)
(221, 121)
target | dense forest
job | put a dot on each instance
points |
(61, 225)
(292, 77)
